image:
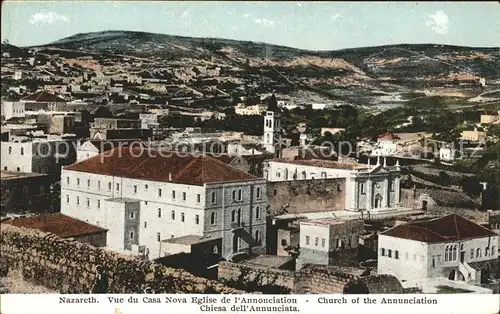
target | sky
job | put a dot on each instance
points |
(306, 25)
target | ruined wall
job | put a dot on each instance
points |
(316, 280)
(304, 196)
(67, 266)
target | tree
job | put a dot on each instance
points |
(444, 178)
(471, 186)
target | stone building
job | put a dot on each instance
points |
(367, 187)
(328, 241)
(271, 139)
(109, 128)
(450, 247)
(91, 148)
(145, 198)
(39, 155)
(23, 193)
(64, 227)
(386, 145)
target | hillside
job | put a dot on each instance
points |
(383, 76)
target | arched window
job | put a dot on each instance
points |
(455, 247)
(10, 150)
(286, 174)
(486, 251)
(257, 212)
(304, 175)
(478, 253)
(233, 216)
(212, 218)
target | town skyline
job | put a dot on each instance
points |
(301, 25)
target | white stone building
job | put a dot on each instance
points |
(91, 148)
(37, 155)
(448, 154)
(149, 120)
(255, 110)
(451, 247)
(386, 145)
(13, 109)
(368, 187)
(146, 199)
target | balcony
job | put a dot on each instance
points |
(237, 225)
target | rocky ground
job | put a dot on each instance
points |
(14, 283)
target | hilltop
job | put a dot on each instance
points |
(384, 75)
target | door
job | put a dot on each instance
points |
(235, 243)
(462, 256)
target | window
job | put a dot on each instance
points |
(5, 168)
(433, 262)
(67, 180)
(159, 192)
(198, 198)
(316, 241)
(233, 216)
(197, 219)
(135, 189)
(18, 169)
(258, 192)
(172, 215)
(88, 202)
(257, 212)
(173, 195)
(214, 198)
(486, 251)
(283, 242)
(406, 256)
(10, 150)
(88, 182)
(145, 224)
(257, 236)
(78, 181)
(323, 242)
(158, 237)
(389, 253)
(146, 187)
(132, 215)
(212, 218)
(307, 240)
(237, 197)
(67, 199)
(99, 184)
(396, 254)
(131, 235)
(234, 195)
(471, 254)
(159, 212)
(118, 186)
(182, 217)
(109, 186)
(77, 200)
(362, 188)
(98, 203)
(184, 196)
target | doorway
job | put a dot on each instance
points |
(424, 205)
(378, 201)
(235, 243)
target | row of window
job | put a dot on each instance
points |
(339, 242)
(389, 252)
(38, 169)
(237, 194)
(362, 185)
(323, 175)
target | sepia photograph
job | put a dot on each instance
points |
(250, 156)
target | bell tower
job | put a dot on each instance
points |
(272, 128)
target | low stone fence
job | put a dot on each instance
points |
(68, 266)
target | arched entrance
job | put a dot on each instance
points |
(424, 205)
(456, 275)
(235, 243)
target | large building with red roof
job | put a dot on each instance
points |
(451, 247)
(145, 197)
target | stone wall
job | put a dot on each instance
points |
(69, 267)
(316, 280)
(304, 196)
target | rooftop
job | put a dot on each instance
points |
(160, 166)
(448, 228)
(43, 96)
(58, 224)
(323, 222)
(388, 137)
(11, 175)
(190, 239)
(322, 164)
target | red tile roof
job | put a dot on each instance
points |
(154, 165)
(388, 137)
(58, 224)
(43, 96)
(447, 228)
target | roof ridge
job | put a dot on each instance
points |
(189, 165)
